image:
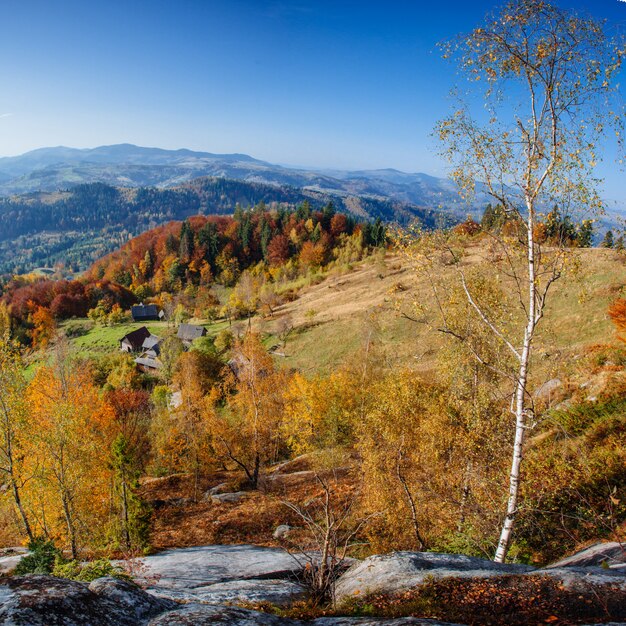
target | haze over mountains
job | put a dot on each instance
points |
(126, 165)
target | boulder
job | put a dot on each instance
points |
(546, 391)
(195, 615)
(188, 568)
(10, 557)
(610, 552)
(221, 488)
(128, 597)
(220, 498)
(37, 600)
(372, 621)
(278, 591)
(281, 531)
(584, 578)
(204, 615)
(400, 571)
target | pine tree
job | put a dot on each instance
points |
(608, 241)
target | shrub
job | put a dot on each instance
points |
(41, 560)
(86, 572)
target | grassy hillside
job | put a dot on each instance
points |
(330, 319)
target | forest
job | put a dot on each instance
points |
(71, 229)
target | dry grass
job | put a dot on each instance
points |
(330, 318)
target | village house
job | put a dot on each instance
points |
(188, 332)
(146, 313)
(133, 341)
(152, 346)
(148, 364)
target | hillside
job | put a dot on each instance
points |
(78, 226)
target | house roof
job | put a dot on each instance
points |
(147, 361)
(136, 337)
(189, 332)
(144, 310)
(151, 342)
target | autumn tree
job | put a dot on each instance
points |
(246, 431)
(196, 375)
(70, 451)
(13, 430)
(43, 326)
(547, 80)
(130, 446)
(617, 313)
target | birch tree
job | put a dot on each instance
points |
(544, 78)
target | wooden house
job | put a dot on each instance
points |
(188, 332)
(146, 313)
(133, 341)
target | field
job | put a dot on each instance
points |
(329, 321)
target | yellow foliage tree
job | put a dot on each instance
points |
(70, 446)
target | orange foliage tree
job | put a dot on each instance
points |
(617, 313)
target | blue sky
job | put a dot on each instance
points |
(312, 83)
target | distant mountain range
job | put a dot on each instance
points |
(126, 165)
(73, 205)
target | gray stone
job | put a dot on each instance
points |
(278, 591)
(220, 498)
(546, 391)
(281, 531)
(373, 621)
(134, 601)
(47, 601)
(610, 552)
(582, 578)
(197, 615)
(10, 558)
(221, 488)
(399, 571)
(204, 615)
(188, 568)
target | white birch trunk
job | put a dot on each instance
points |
(521, 412)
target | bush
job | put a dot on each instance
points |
(41, 560)
(86, 572)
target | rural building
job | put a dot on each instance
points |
(148, 364)
(152, 346)
(146, 313)
(188, 332)
(133, 341)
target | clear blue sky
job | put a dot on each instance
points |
(308, 82)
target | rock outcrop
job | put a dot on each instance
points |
(47, 601)
(609, 553)
(222, 574)
(399, 571)
(197, 586)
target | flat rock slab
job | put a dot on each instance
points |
(194, 615)
(279, 592)
(609, 552)
(11, 558)
(237, 496)
(47, 601)
(188, 568)
(400, 571)
(203, 615)
(582, 578)
(372, 621)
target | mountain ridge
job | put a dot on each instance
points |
(128, 165)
